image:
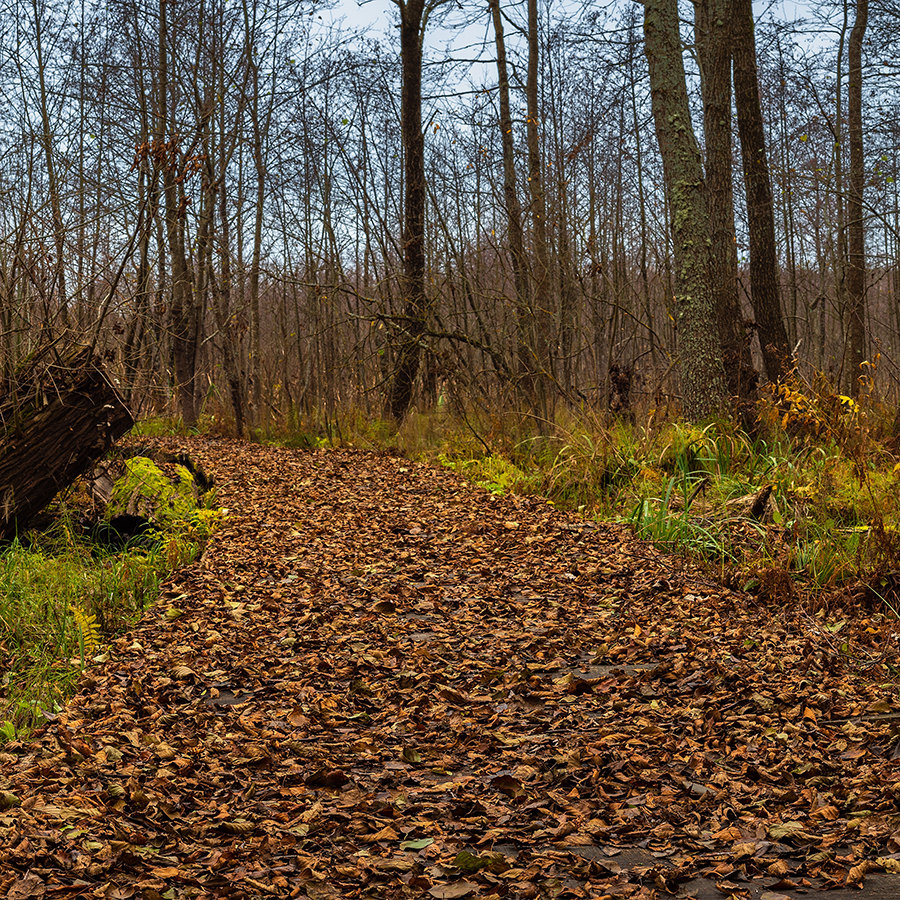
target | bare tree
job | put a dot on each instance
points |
(524, 319)
(414, 15)
(713, 32)
(856, 269)
(702, 374)
(764, 293)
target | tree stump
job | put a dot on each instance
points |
(58, 416)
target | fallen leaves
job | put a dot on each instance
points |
(378, 682)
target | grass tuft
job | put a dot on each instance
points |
(61, 600)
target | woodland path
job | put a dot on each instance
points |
(382, 682)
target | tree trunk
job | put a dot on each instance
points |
(856, 270)
(415, 309)
(764, 294)
(56, 420)
(542, 306)
(702, 374)
(713, 38)
(524, 319)
(185, 323)
(59, 228)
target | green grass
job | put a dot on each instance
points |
(163, 426)
(50, 580)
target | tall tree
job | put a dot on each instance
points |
(414, 16)
(856, 269)
(176, 166)
(713, 39)
(524, 319)
(702, 373)
(764, 293)
(542, 303)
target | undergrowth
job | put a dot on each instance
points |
(62, 598)
(821, 465)
(821, 462)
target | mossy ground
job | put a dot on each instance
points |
(144, 489)
(62, 596)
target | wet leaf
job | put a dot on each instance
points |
(857, 874)
(452, 891)
(786, 830)
(508, 785)
(419, 844)
(327, 778)
(165, 871)
(9, 800)
(469, 862)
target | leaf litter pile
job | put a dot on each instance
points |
(382, 682)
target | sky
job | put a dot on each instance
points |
(379, 17)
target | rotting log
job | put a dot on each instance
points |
(58, 415)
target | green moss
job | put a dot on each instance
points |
(145, 490)
(494, 473)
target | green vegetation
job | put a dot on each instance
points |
(826, 463)
(144, 483)
(62, 597)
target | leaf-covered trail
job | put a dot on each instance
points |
(382, 682)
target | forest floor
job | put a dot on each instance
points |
(380, 682)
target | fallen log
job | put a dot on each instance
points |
(59, 414)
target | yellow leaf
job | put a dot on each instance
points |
(165, 871)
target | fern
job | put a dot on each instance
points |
(88, 632)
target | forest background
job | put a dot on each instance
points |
(254, 215)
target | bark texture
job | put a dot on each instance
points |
(713, 39)
(542, 298)
(415, 308)
(58, 417)
(184, 315)
(702, 373)
(524, 320)
(856, 269)
(764, 294)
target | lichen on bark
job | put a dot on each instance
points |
(702, 373)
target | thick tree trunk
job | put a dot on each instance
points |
(56, 420)
(415, 308)
(713, 33)
(856, 269)
(764, 294)
(184, 315)
(702, 375)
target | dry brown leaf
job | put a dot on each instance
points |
(453, 891)
(857, 874)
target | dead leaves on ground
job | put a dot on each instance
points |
(382, 682)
